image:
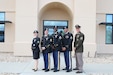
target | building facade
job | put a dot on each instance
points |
(25, 16)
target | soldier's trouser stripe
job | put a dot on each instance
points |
(59, 60)
(49, 61)
(70, 54)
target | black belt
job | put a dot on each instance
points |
(67, 46)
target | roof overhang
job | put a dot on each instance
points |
(105, 23)
(3, 22)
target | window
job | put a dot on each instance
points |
(2, 28)
(109, 29)
(51, 23)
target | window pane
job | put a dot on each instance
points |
(109, 34)
(109, 18)
(1, 32)
(2, 17)
(55, 23)
(50, 23)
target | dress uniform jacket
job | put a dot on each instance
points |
(67, 41)
(46, 42)
(35, 47)
(56, 40)
(78, 43)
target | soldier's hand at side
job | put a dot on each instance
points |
(53, 47)
(43, 48)
(74, 48)
(63, 48)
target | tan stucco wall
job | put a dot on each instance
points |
(8, 7)
(103, 8)
(27, 15)
(85, 15)
(27, 21)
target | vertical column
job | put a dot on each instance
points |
(85, 15)
(26, 23)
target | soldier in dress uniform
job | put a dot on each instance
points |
(56, 48)
(45, 45)
(78, 45)
(35, 49)
(67, 45)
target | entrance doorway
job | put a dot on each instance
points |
(51, 23)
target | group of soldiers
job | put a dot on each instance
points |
(57, 43)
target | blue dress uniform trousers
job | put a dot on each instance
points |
(66, 57)
(45, 56)
(55, 58)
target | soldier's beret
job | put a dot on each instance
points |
(46, 29)
(35, 31)
(55, 27)
(77, 26)
(65, 27)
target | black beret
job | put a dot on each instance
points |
(46, 29)
(77, 26)
(55, 27)
(66, 27)
(35, 31)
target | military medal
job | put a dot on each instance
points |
(67, 37)
(47, 38)
(81, 38)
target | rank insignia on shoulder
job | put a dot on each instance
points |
(71, 37)
(34, 40)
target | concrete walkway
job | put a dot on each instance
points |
(26, 68)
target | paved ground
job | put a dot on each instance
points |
(11, 65)
(24, 68)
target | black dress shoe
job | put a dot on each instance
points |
(35, 70)
(52, 69)
(46, 70)
(75, 69)
(79, 72)
(69, 70)
(55, 70)
(64, 69)
(43, 69)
